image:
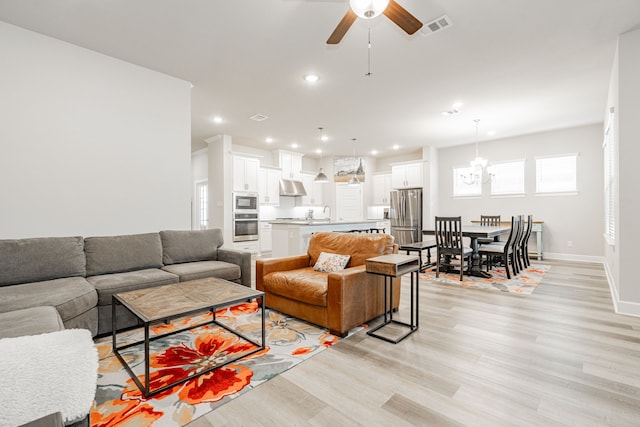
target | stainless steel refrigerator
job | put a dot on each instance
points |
(405, 214)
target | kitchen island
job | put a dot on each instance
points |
(291, 237)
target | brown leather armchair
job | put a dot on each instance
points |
(338, 301)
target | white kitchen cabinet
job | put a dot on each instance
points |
(381, 189)
(245, 173)
(406, 175)
(269, 186)
(252, 246)
(290, 164)
(266, 240)
(315, 190)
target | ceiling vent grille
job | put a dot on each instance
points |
(438, 24)
(259, 117)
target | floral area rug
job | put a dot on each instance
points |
(119, 402)
(523, 284)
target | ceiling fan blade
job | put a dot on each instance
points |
(402, 18)
(342, 28)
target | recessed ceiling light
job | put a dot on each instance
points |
(319, 151)
(268, 140)
(324, 138)
(217, 119)
(395, 146)
(374, 152)
(294, 145)
(311, 78)
(457, 105)
(491, 132)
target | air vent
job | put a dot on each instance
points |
(259, 117)
(438, 24)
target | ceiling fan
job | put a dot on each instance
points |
(369, 9)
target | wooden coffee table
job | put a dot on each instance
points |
(153, 306)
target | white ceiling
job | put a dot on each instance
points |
(520, 66)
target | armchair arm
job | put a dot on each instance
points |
(266, 266)
(346, 294)
(241, 259)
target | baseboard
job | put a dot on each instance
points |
(620, 307)
(574, 257)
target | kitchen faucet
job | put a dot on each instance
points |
(324, 208)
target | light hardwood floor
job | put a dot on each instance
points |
(559, 357)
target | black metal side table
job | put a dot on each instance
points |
(393, 266)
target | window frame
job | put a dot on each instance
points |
(567, 192)
(522, 191)
(457, 172)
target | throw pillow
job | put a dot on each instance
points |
(329, 263)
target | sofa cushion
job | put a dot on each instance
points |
(30, 321)
(108, 284)
(117, 254)
(71, 296)
(190, 245)
(39, 259)
(203, 269)
(305, 285)
(359, 245)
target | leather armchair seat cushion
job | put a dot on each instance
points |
(305, 285)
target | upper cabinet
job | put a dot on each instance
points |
(406, 175)
(269, 186)
(381, 189)
(314, 190)
(290, 164)
(245, 173)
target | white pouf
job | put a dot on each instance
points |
(47, 373)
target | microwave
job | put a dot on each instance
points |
(245, 202)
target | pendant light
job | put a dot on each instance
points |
(321, 178)
(354, 179)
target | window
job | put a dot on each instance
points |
(507, 178)
(557, 174)
(609, 156)
(466, 183)
(202, 205)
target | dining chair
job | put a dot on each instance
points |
(524, 245)
(493, 220)
(503, 250)
(517, 245)
(449, 243)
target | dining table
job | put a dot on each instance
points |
(475, 232)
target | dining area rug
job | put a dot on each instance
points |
(522, 284)
(119, 402)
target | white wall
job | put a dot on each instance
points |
(578, 218)
(624, 92)
(89, 145)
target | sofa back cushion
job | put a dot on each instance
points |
(117, 254)
(190, 245)
(359, 246)
(40, 259)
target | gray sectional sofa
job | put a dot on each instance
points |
(77, 276)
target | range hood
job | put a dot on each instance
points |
(290, 187)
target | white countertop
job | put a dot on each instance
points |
(317, 222)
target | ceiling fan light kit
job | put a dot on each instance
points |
(368, 9)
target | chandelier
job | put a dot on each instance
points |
(478, 166)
